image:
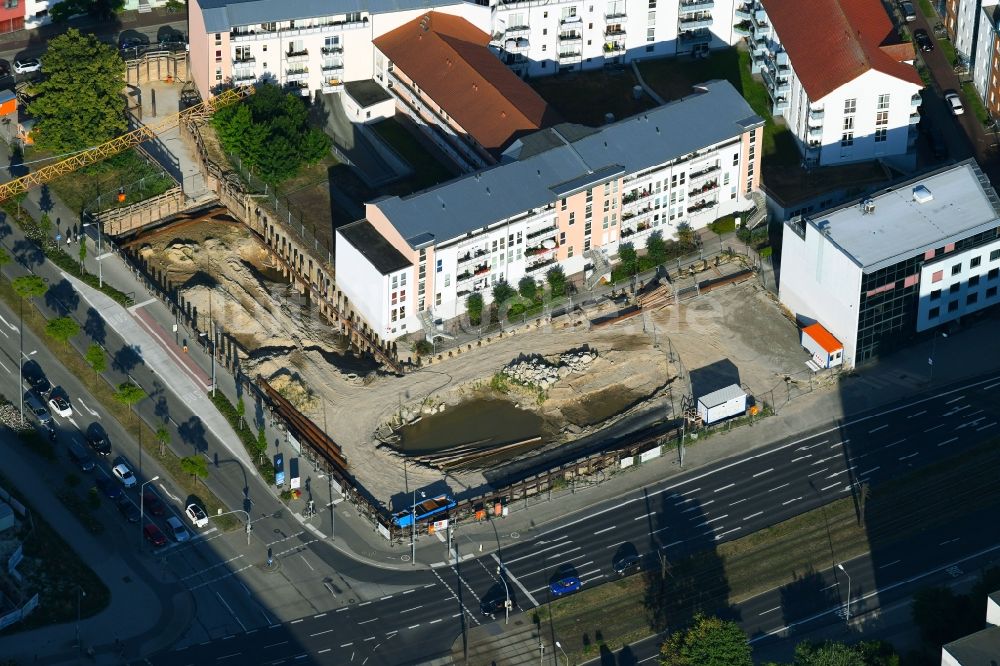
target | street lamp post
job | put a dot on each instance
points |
(100, 247)
(79, 593)
(142, 504)
(559, 645)
(848, 610)
(20, 377)
(933, 356)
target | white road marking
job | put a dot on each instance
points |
(809, 455)
(912, 455)
(367, 621)
(898, 441)
(920, 413)
(988, 425)
(14, 328)
(754, 515)
(869, 471)
(770, 610)
(320, 633)
(436, 621)
(986, 388)
(763, 473)
(939, 425)
(7, 369)
(534, 554)
(89, 410)
(723, 488)
(719, 536)
(410, 609)
(738, 501)
(819, 471)
(146, 302)
(606, 529)
(945, 543)
(242, 626)
(881, 427)
(307, 562)
(794, 499)
(695, 508)
(515, 580)
(784, 485)
(948, 402)
(948, 441)
(567, 552)
(832, 485)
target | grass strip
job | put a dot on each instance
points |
(73, 361)
(786, 554)
(52, 568)
(927, 9)
(246, 435)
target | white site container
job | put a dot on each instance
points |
(721, 404)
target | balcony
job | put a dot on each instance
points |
(702, 205)
(515, 31)
(613, 31)
(702, 189)
(539, 250)
(469, 256)
(244, 76)
(540, 265)
(570, 58)
(695, 22)
(299, 87)
(244, 62)
(758, 47)
(816, 114)
(815, 132)
(742, 28)
(614, 47)
(694, 177)
(570, 38)
(743, 12)
(916, 101)
(615, 17)
(296, 75)
(293, 57)
(571, 20)
(333, 86)
(775, 84)
(331, 67)
(914, 118)
(696, 6)
(781, 59)
(519, 44)
(780, 104)
(542, 232)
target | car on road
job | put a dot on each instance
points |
(152, 504)
(954, 103)
(34, 404)
(154, 535)
(908, 12)
(32, 373)
(78, 454)
(124, 474)
(59, 402)
(174, 41)
(196, 515)
(27, 66)
(177, 529)
(97, 439)
(924, 41)
(110, 489)
(628, 565)
(493, 606)
(128, 509)
(564, 586)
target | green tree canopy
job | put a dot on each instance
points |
(80, 102)
(29, 286)
(527, 287)
(708, 642)
(270, 132)
(100, 9)
(129, 394)
(656, 248)
(557, 281)
(502, 291)
(474, 306)
(96, 358)
(195, 466)
(629, 258)
(162, 438)
(61, 329)
(685, 234)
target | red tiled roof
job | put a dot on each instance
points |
(823, 337)
(447, 57)
(831, 42)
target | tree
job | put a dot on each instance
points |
(474, 306)
(5, 259)
(129, 394)
(241, 409)
(656, 248)
(629, 258)
(527, 287)
(30, 286)
(61, 329)
(195, 466)
(99, 9)
(827, 654)
(79, 101)
(943, 616)
(261, 444)
(708, 642)
(83, 253)
(45, 226)
(557, 281)
(163, 439)
(96, 358)
(685, 234)
(502, 291)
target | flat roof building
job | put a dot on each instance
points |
(883, 269)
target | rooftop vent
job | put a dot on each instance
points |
(922, 195)
(868, 207)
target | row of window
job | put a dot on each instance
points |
(970, 299)
(974, 262)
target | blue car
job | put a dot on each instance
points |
(110, 488)
(565, 586)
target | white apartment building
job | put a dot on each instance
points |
(962, 22)
(310, 45)
(539, 37)
(839, 76)
(880, 271)
(566, 196)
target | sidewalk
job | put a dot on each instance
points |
(145, 611)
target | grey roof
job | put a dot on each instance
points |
(221, 15)
(979, 649)
(530, 181)
(722, 396)
(374, 247)
(366, 92)
(963, 204)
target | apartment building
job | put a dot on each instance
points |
(12, 15)
(986, 55)
(310, 45)
(539, 37)
(882, 270)
(961, 20)
(566, 196)
(443, 75)
(839, 75)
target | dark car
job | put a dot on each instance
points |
(78, 454)
(626, 566)
(97, 439)
(128, 509)
(938, 147)
(4, 68)
(493, 606)
(152, 504)
(154, 535)
(32, 373)
(924, 41)
(111, 488)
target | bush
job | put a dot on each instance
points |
(249, 439)
(502, 291)
(557, 281)
(422, 348)
(656, 248)
(723, 225)
(474, 306)
(527, 287)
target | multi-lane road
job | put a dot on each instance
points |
(423, 614)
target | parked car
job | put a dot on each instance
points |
(152, 504)
(175, 40)
(59, 402)
(196, 515)
(124, 474)
(924, 41)
(97, 439)
(34, 404)
(32, 373)
(627, 565)
(78, 454)
(177, 529)
(4, 69)
(908, 13)
(564, 586)
(128, 509)
(132, 43)
(27, 66)
(108, 486)
(154, 535)
(954, 103)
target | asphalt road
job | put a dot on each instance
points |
(687, 514)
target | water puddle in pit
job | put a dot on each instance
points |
(479, 424)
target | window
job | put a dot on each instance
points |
(562, 237)
(572, 219)
(882, 118)
(956, 269)
(447, 279)
(883, 101)
(569, 252)
(848, 123)
(936, 294)
(933, 313)
(402, 280)
(847, 139)
(992, 275)
(850, 105)
(953, 289)
(439, 266)
(991, 292)
(972, 298)
(975, 261)
(974, 281)
(562, 204)
(952, 306)
(437, 299)
(650, 36)
(736, 159)
(937, 276)
(994, 255)
(881, 134)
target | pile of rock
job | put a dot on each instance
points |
(539, 372)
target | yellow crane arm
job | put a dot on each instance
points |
(119, 144)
